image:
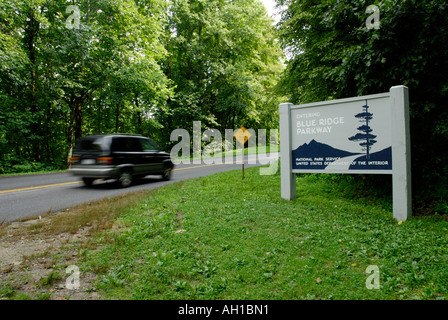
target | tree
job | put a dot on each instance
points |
(19, 110)
(366, 137)
(138, 66)
(224, 60)
(59, 83)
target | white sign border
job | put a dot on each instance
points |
(401, 149)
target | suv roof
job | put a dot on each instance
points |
(102, 142)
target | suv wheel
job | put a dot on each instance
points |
(167, 173)
(125, 179)
(88, 181)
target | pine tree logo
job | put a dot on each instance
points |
(367, 139)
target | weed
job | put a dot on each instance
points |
(51, 279)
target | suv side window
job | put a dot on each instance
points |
(126, 144)
(147, 145)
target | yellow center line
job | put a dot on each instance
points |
(40, 187)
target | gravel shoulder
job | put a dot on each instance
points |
(34, 265)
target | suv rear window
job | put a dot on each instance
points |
(90, 144)
(126, 144)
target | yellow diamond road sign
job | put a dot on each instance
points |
(242, 135)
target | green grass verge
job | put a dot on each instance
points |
(233, 153)
(49, 171)
(221, 237)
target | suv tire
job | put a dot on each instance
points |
(88, 181)
(167, 173)
(125, 179)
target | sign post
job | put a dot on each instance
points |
(242, 135)
(360, 135)
(401, 155)
(288, 178)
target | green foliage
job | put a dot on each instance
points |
(49, 280)
(147, 66)
(224, 60)
(333, 55)
(58, 84)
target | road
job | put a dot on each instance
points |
(28, 196)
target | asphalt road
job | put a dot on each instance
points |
(28, 196)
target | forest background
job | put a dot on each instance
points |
(152, 66)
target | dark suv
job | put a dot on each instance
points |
(119, 156)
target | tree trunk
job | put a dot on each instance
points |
(71, 131)
(78, 119)
(139, 115)
(100, 105)
(32, 31)
(117, 118)
(75, 125)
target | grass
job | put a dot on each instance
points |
(221, 237)
(29, 172)
(7, 168)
